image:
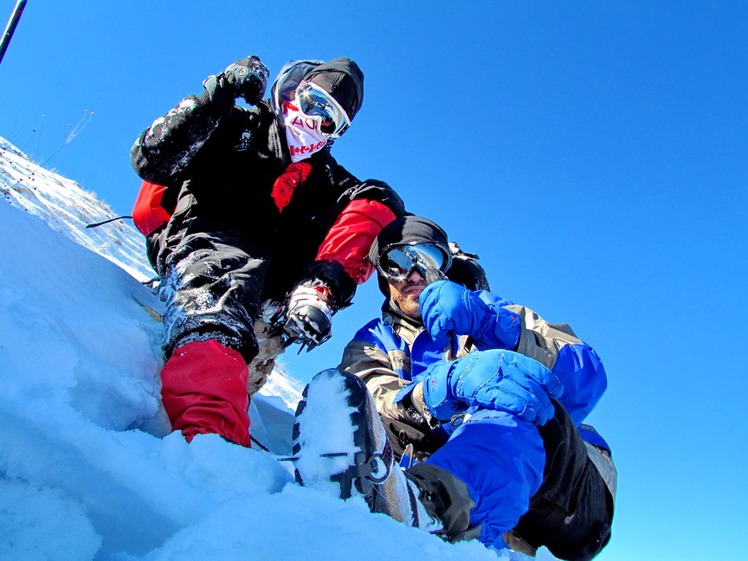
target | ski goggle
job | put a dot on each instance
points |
(397, 263)
(313, 101)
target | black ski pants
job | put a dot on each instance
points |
(213, 287)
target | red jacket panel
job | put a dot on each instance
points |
(350, 237)
(149, 214)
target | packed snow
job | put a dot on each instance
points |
(89, 469)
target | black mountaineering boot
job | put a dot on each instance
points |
(341, 446)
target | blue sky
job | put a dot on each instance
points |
(593, 153)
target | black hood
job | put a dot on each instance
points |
(343, 79)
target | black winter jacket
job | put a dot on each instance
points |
(220, 166)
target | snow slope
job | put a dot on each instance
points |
(68, 209)
(88, 467)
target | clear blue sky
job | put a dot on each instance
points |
(595, 155)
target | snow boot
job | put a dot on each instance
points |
(341, 446)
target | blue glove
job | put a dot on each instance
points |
(496, 379)
(448, 308)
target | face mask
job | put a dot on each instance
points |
(303, 133)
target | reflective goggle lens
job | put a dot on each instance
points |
(316, 102)
(399, 262)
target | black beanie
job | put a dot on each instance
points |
(343, 79)
(409, 229)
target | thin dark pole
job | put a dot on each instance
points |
(11, 27)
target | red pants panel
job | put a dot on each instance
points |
(204, 391)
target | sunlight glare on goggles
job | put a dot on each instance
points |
(399, 262)
(315, 102)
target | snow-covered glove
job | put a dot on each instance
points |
(309, 315)
(448, 308)
(245, 78)
(496, 379)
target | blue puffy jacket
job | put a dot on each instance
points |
(391, 354)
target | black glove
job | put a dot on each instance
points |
(246, 78)
(309, 316)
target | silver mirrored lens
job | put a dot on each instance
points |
(396, 264)
(399, 262)
(315, 102)
(430, 254)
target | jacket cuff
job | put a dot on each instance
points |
(341, 285)
(216, 106)
(415, 394)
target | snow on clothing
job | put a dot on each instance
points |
(524, 483)
(223, 245)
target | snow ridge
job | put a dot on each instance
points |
(68, 209)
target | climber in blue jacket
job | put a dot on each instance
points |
(482, 403)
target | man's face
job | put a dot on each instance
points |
(405, 294)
